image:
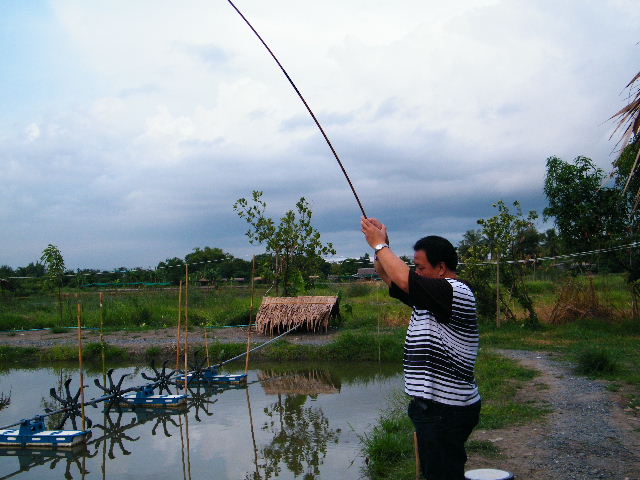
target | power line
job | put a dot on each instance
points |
(527, 260)
(559, 257)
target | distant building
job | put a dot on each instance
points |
(367, 274)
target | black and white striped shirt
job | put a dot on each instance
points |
(442, 340)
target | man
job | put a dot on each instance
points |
(440, 348)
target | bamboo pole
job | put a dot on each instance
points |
(498, 289)
(417, 452)
(253, 274)
(206, 345)
(179, 323)
(104, 370)
(184, 468)
(186, 432)
(186, 325)
(103, 467)
(81, 361)
(378, 308)
(253, 435)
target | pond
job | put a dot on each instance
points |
(290, 421)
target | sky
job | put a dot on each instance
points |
(128, 129)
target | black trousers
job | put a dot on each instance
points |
(442, 431)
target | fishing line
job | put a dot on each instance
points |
(335, 154)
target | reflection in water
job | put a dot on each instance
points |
(299, 382)
(296, 417)
(115, 433)
(199, 399)
(5, 400)
(300, 438)
(28, 459)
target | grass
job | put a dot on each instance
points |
(596, 362)
(605, 349)
(144, 308)
(153, 352)
(389, 447)
(499, 379)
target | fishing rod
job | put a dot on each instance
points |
(262, 345)
(335, 154)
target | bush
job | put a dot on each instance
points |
(359, 290)
(595, 362)
(141, 316)
(153, 352)
(239, 318)
(540, 286)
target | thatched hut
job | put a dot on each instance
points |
(313, 314)
(311, 382)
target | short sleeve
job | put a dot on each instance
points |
(433, 294)
(396, 292)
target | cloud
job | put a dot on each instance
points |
(212, 55)
(436, 111)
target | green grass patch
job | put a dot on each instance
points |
(499, 379)
(351, 346)
(596, 362)
(152, 352)
(617, 340)
(59, 353)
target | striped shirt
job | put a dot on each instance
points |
(442, 340)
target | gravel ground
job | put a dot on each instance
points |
(589, 435)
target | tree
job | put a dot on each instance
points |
(627, 176)
(504, 238)
(350, 266)
(52, 258)
(36, 269)
(171, 270)
(470, 239)
(627, 180)
(588, 215)
(550, 243)
(293, 241)
(206, 260)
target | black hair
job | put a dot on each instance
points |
(438, 250)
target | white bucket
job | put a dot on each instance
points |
(488, 474)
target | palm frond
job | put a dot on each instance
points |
(629, 116)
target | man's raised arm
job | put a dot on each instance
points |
(390, 267)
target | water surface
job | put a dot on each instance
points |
(291, 421)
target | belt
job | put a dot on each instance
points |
(425, 403)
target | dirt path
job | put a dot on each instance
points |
(587, 436)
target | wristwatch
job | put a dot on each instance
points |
(379, 247)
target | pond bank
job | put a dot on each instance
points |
(223, 344)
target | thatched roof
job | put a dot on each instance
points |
(282, 313)
(312, 382)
